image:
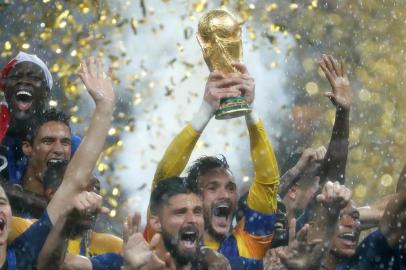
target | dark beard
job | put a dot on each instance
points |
(171, 245)
(209, 229)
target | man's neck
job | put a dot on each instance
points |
(32, 182)
(210, 238)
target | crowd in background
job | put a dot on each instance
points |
(296, 216)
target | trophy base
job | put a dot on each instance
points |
(232, 108)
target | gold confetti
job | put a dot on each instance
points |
(386, 180)
(112, 131)
(115, 191)
(252, 33)
(76, 29)
(360, 191)
(200, 5)
(364, 95)
(134, 25)
(312, 88)
(7, 45)
(113, 213)
(74, 119)
(293, 6)
(53, 103)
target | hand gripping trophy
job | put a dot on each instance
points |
(219, 36)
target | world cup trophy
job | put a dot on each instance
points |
(219, 36)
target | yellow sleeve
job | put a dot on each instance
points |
(105, 243)
(173, 162)
(18, 227)
(176, 155)
(74, 246)
(264, 188)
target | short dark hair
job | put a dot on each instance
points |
(204, 164)
(169, 187)
(48, 116)
(53, 176)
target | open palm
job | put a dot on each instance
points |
(341, 94)
(98, 84)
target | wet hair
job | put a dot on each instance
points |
(53, 176)
(169, 187)
(204, 164)
(48, 116)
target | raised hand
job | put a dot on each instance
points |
(299, 254)
(83, 205)
(308, 156)
(86, 203)
(97, 82)
(334, 196)
(131, 226)
(217, 88)
(341, 92)
(246, 82)
(138, 254)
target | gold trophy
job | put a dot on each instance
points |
(219, 36)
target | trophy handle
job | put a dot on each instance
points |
(204, 50)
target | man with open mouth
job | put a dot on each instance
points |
(384, 248)
(23, 253)
(177, 214)
(47, 142)
(246, 244)
(26, 82)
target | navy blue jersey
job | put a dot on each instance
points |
(107, 261)
(375, 253)
(26, 247)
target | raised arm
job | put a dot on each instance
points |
(178, 152)
(262, 194)
(333, 168)
(53, 252)
(78, 172)
(138, 254)
(308, 156)
(306, 250)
